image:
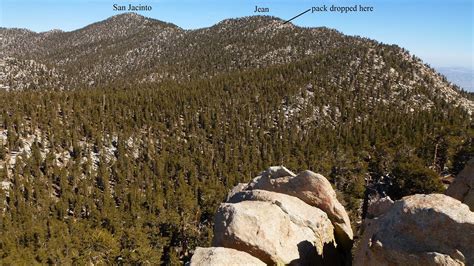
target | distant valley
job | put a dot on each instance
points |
(463, 77)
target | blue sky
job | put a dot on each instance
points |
(438, 31)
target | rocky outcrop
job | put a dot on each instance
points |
(218, 256)
(283, 218)
(419, 230)
(312, 188)
(463, 186)
(276, 228)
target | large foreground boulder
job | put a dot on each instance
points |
(218, 256)
(463, 186)
(274, 227)
(312, 188)
(419, 230)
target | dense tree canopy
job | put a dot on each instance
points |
(134, 174)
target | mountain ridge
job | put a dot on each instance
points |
(133, 49)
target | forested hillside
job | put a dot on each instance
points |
(130, 169)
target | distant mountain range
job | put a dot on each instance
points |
(461, 76)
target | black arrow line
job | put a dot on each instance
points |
(297, 16)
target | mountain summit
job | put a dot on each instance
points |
(130, 48)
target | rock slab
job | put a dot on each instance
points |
(419, 230)
(463, 186)
(315, 190)
(274, 227)
(218, 256)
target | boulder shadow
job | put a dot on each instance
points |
(331, 255)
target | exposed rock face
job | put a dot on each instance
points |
(419, 230)
(218, 256)
(282, 218)
(276, 228)
(312, 188)
(379, 207)
(463, 186)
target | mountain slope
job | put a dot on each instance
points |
(133, 49)
(118, 141)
